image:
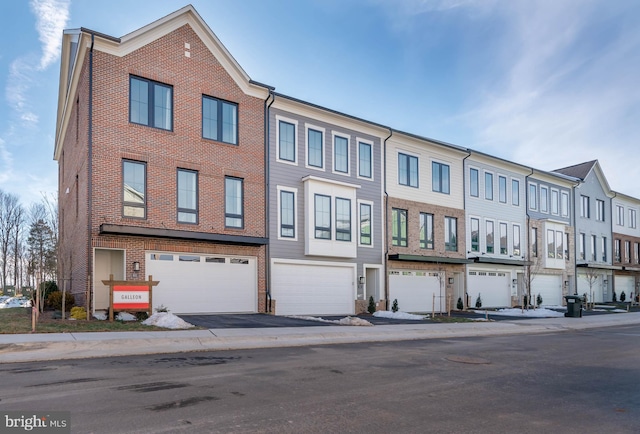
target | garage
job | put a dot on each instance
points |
(592, 285)
(494, 288)
(198, 283)
(304, 288)
(626, 284)
(549, 287)
(415, 290)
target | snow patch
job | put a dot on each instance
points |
(399, 315)
(348, 321)
(125, 316)
(531, 313)
(167, 320)
(100, 315)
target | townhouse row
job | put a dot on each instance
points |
(174, 164)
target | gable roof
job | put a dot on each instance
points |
(579, 170)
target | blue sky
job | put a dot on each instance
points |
(543, 83)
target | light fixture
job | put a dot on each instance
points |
(361, 280)
(514, 281)
(450, 280)
(566, 283)
(136, 266)
(605, 281)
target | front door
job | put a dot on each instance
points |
(107, 262)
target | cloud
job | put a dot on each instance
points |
(51, 18)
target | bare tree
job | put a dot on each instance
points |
(591, 276)
(10, 218)
(41, 244)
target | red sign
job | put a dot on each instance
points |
(130, 297)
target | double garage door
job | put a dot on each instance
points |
(549, 287)
(626, 284)
(493, 287)
(416, 291)
(195, 283)
(303, 288)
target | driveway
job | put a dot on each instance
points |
(248, 320)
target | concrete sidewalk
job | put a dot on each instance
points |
(61, 346)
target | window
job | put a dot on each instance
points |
(234, 207)
(473, 182)
(559, 244)
(534, 242)
(475, 235)
(502, 189)
(489, 237)
(219, 120)
(286, 141)
(365, 224)
(632, 218)
(365, 160)
(533, 196)
(594, 250)
(636, 253)
(341, 154)
(551, 243)
(407, 170)
(604, 249)
(323, 217)
(619, 215)
(582, 242)
(584, 207)
(515, 192)
(564, 204)
(616, 250)
(516, 240)
(544, 199)
(187, 196)
(426, 231)
(399, 227)
(150, 103)
(287, 214)
(600, 210)
(627, 251)
(566, 246)
(134, 176)
(343, 219)
(440, 177)
(488, 186)
(314, 148)
(555, 202)
(504, 249)
(451, 234)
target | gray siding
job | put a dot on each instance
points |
(592, 188)
(537, 213)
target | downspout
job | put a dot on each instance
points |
(267, 269)
(528, 257)
(574, 223)
(464, 207)
(386, 221)
(89, 186)
(613, 271)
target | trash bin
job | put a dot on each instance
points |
(574, 306)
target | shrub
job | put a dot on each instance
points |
(614, 297)
(78, 313)
(526, 301)
(142, 316)
(539, 300)
(623, 296)
(478, 302)
(394, 307)
(460, 304)
(54, 301)
(372, 305)
(162, 308)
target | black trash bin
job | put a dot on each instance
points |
(574, 306)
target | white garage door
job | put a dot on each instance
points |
(313, 289)
(592, 285)
(493, 287)
(193, 283)
(415, 291)
(549, 288)
(626, 284)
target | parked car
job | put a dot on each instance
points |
(15, 302)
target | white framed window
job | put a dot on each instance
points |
(600, 210)
(544, 199)
(315, 147)
(287, 210)
(620, 215)
(234, 202)
(187, 183)
(581, 246)
(475, 234)
(365, 217)
(474, 189)
(440, 177)
(341, 154)
(555, 202)
(632, 218)
(343, 219)
(533, 196)
(451, 234)
(488, 185)
(504, 242)
(502, 189)
(585, 210)
(594, 248)
(426, 231)
(516, 240)
(286, 140)
(365, 159)
(489, 236)
(515, 192)
(564, 204)
(408, 170)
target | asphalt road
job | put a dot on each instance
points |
(568, 382)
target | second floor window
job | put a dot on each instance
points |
(341, 154)
(315, 149)
(234, 206)
(134, 177)
(516, 240)
(407, 170)
(502, 189)
(150, 103)
(534, 242)
(475, 235)
(287, 214)
(426, 230)
(581, 246)
(365, 224)
(187, 196)
(323, 217)
(515, 192)
(604, 249)
(440, 177)
(399, 227)
(504, 249)
(219, 120)
(287, 139)
(488, 186)
(343, 219)
(451, 234)
(489, 237)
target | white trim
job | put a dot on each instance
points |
(335, 134)
(308, 127)
(545, 188)
(295, 136)
(484, 185)
(551, 202)
(528, 196)
(510, 200)
(370, 203)
(565, 212)
(329, 181)
(478, 170)
(280, 188)
(366, 142)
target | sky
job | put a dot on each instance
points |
(544, 83)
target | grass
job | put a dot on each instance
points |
(447, 319)
(18, 320)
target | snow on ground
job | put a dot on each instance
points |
(125, 316)
(398, 315)
(349, 320)
(531, 313)
(167, 320)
